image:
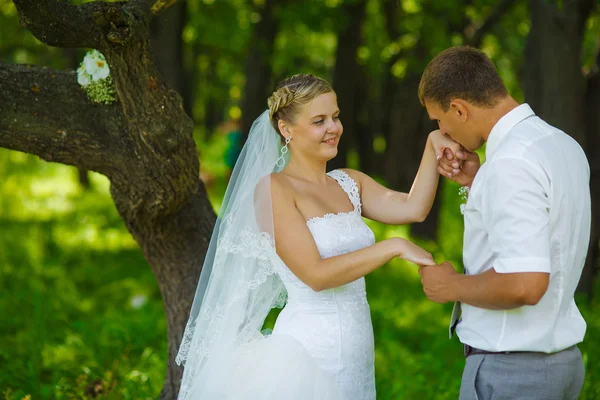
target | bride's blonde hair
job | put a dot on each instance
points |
(291, 94)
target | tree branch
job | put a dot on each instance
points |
(45, 112)
(147, 134)
(475, 34)
(160, 5)
(58, 23)
(152, 7)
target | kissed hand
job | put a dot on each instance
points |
(436, 281)
(460, 166)
(442, 143)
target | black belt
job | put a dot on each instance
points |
(469, 351)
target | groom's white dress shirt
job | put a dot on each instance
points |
(528, 211)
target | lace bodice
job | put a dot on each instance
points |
(335, 234)
(334, 325)
(341, 233)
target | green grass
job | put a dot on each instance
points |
(82, 315)
(79, 303)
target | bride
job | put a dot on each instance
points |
(290, 233)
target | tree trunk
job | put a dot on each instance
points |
(345, 77)
(556, 90)
(143, 143)
(592, 124)
(258, 66)
(409, 127)
(174, 246)
(393, 12)
(363, 131)
(401, 162)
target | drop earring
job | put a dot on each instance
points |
(281, 160)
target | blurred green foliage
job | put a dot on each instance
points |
(79, 303)
(82, 316)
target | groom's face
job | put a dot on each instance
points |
(455, 123)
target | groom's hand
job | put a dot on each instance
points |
(436, 281)
(461, 167)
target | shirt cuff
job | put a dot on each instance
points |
(522, 264)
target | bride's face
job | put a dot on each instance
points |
(317, 129)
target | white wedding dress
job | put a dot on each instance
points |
(334, 325)
(321, 347)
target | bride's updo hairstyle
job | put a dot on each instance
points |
(291, 94)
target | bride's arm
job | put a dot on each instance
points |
(391, 207)
(296, 247)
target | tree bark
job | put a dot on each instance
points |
(143, 143)
(72, 61)
(345, 76)
(558, 92)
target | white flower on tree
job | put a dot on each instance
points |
(83, 78)
(93, 75)
(95, 65)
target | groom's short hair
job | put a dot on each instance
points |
(461, 72)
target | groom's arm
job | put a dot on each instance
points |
(490, 290)
(514, 208)
(495, 291)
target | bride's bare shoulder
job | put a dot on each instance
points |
(281, 188)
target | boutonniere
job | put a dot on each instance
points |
(463, 192)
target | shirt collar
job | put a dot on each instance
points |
(504, 125)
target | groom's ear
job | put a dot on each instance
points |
(459, 108)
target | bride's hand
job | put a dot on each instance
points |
(460, 167)
(441, 142)
(411, 252)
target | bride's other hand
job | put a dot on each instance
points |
(409, 251)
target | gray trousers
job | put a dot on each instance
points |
(532, 376)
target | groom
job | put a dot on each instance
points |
(527, 229)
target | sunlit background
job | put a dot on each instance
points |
(81, 315)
